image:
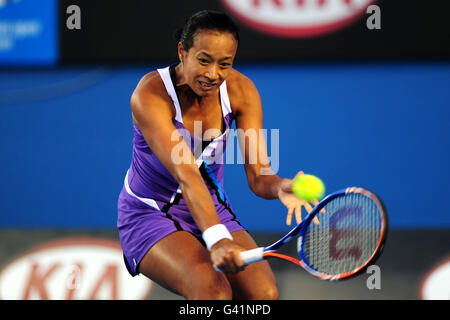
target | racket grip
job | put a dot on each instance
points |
(251, 256)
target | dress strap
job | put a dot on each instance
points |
(165, 76)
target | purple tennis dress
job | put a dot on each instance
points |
(151, 205)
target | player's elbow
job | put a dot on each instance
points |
(257, 186)
(252, 182)
(262, 183)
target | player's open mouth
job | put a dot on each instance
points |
(205, 85)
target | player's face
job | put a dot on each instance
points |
(208, 62)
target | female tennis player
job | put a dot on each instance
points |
(174, 219)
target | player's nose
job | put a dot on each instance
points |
(212, 73)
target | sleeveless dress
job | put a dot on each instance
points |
(151, 204)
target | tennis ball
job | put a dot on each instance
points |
(308, 187)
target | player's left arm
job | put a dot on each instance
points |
(246, 105)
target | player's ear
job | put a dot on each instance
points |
(181, 51)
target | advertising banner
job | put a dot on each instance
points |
(28, 32)
(270, 30)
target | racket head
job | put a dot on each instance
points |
(350, 237)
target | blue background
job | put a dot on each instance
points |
(66, 139)
(40, 50)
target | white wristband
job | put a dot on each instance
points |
(214, 234)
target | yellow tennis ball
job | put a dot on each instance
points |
(308, 187)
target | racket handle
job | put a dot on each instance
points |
(254, 255)
(249, 256)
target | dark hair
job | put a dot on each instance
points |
(208, 20)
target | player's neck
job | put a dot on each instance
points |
(179, 75)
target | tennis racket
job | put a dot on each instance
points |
(349, 238)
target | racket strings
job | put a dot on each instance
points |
(347, 236)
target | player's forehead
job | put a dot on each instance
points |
(215, 44)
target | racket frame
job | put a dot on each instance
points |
(262, 253)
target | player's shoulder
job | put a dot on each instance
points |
(240, 88)
(151, 86)
(238, 81)
(150, 83)
(150, 93)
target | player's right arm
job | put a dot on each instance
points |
(153, 112)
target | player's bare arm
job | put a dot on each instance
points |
(153, 114)
(249, 118)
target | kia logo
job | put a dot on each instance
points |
(435, 285)
(72, 269)
(297, 18)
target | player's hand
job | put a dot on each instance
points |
(293, 203)
(225, 255)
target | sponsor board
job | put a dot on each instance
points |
(436, 283)
(297, 18)
(72, 269)
(28, 32)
